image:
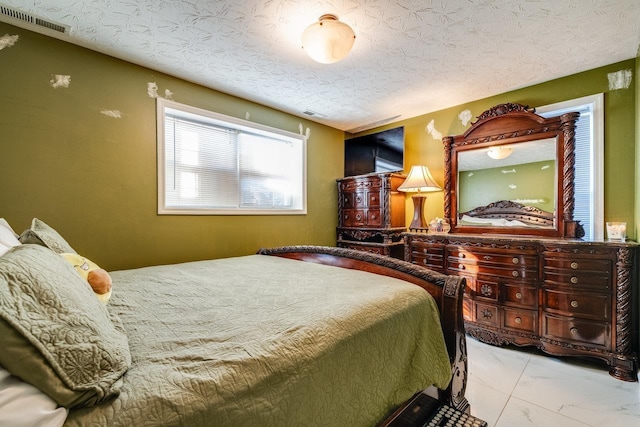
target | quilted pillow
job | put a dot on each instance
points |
(16, 396)
(8, 237)
(54, 333)
(42, 234)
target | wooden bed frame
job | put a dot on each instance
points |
(506, 209)
(446, 290)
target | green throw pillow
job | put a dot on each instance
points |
(54, 333)
(42, 234)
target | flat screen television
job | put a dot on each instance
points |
(376, 152)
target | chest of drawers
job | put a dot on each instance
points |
(371, 213)
(566, 297)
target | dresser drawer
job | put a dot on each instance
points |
(576, 330)
(519, 295)
(373, 218)
(578, 263)
(499, 273)
(598, 280)
(431, 261)
(592, 305)
(352, 185)
(520, 320)
(484, 289)
(486, 313)
(353, 217)
(488, 258)
(578, 271)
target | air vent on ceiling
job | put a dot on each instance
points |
(313, 113)
(33, 19)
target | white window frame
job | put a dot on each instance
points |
(596, 153)
(229, 122)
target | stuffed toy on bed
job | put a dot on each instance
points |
(98, 278)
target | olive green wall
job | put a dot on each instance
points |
(621, 139)
(93, 176)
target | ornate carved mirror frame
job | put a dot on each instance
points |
(507, 125)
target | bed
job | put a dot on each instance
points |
(507, 214)
(342, 338)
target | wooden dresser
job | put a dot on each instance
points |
(567, 297)
(371, 213)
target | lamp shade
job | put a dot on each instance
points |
(419, 180)
(328, 40)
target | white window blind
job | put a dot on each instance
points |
(589, 149)
(214, 164)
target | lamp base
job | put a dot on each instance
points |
(418, 217)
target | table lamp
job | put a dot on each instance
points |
(419, 181)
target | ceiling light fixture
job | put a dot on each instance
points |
(328, 40)
(498, 152)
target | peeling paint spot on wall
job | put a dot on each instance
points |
(168, 94)
(152, 89)
(513, 186)
(620, 79)
(116, 114)
(60, 80)
(508, 171)
(465, 117)
(247, 116)
(431, 129)
(8, 41)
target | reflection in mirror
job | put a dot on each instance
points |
(519, 176)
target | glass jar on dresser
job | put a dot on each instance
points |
(568, 297)
(371, 213)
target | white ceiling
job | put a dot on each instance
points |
(411, 57)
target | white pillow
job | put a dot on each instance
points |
(23, 405)
(8, 237)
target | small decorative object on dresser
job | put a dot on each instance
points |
(371, 213)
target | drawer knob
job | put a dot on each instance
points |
(373, 198)
(358, 217)
(359, 199)
(518, 320)
(463, 256)
(515, 273)
(425, 251)
(485, 290)
(518, 295)
(487, 257)
(574, 279)
(574, 331)
(461, 267)
(515, 260)
(487, 314)
(574, 265)
(373, 216)
(574, 304)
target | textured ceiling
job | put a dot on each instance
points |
(410, 57)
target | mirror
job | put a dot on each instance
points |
(512, 173)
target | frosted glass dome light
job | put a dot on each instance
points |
(328, 40)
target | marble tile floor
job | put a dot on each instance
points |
(512, 387)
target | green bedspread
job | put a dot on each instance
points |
(262, 340)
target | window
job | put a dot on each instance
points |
(589, 170)
(211, 164)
